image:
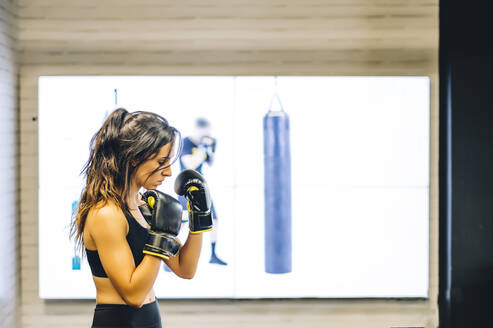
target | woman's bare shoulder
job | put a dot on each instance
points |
(108, 216)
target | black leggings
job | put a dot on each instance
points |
(122, 315)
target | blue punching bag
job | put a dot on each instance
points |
(75, 203)
(75, 258)
(277, 192)
(76, 262)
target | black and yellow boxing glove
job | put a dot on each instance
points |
(163, 213)
(192, 186)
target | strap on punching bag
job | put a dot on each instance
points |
(275, 96)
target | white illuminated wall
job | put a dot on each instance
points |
(360, 178)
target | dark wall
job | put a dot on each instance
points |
(466, 164)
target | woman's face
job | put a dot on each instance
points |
(144, 176)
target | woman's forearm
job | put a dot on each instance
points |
(141, 281)
(189, 255)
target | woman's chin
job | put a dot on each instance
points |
(153, 186)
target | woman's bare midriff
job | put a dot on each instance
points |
(107, 294)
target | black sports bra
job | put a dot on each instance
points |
(136, 238)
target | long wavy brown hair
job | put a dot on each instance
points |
(125, 141)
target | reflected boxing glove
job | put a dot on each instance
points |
(193, 187)
(209, 145)
(163, 213)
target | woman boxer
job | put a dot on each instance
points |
(126, 237)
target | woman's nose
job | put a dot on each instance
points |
(166, 172)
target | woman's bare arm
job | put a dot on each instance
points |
(108, 230)
(185, 264)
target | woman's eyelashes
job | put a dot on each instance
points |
(163, 162)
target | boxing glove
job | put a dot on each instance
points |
(192, 186)
(163, 213)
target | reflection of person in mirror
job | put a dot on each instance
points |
(199, 149)
(127, 235)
